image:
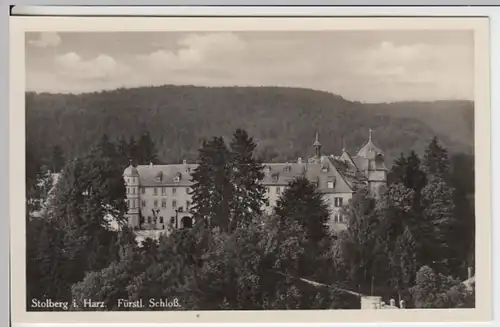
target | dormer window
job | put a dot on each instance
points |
(159, 176)
(177, 178)
(330, 184)
(324, 166)
(267, 170)
(276, 176)
(287, 169)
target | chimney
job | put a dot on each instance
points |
(392, 302)
(184, 162)
(299, 160)
(469, 272)
(402, 304)
(150, 164)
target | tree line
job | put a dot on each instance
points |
(405, 244)
(418, 237)
(283, 120)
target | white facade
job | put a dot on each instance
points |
(159, 195)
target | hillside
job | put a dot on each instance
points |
(282, 120)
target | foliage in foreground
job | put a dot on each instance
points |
(243, 259)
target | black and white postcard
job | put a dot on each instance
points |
(250, 169)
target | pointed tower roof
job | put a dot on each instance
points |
(370, 150)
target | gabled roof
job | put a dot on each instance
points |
(283, 173)
(344, 174)
(165, 175)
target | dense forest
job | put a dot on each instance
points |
(283, 121)
(413, 243)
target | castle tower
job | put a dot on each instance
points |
(373, 166)
(131, 179)
(317, 146)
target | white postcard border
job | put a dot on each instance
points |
(19, 25)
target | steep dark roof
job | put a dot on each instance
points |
(344, 176)
(166, 175)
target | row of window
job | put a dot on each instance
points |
(164, 204)
(131, 190)
(277, 190)
(132, 204)
(153, 220)
(185, 222)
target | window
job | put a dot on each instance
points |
(161, 220)
(181, 209)
(149, 219)
(163, 203)
(187, 205)
(174, 191)
(172, 220)
(143, 203)
(278, 190)
(330, 184)
(174, 204)
(155, 203)
(128, 190)
(187, 190)
(133, 190)
(163, 191)
(143, 190)
(128, 203)
(338, 202)
(155, 191)
(337, 218)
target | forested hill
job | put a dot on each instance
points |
(282, 120)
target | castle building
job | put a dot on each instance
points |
(158, 196)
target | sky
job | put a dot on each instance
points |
(366, 66)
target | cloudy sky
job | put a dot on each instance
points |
(368, 66)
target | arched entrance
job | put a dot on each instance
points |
(186, 222)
